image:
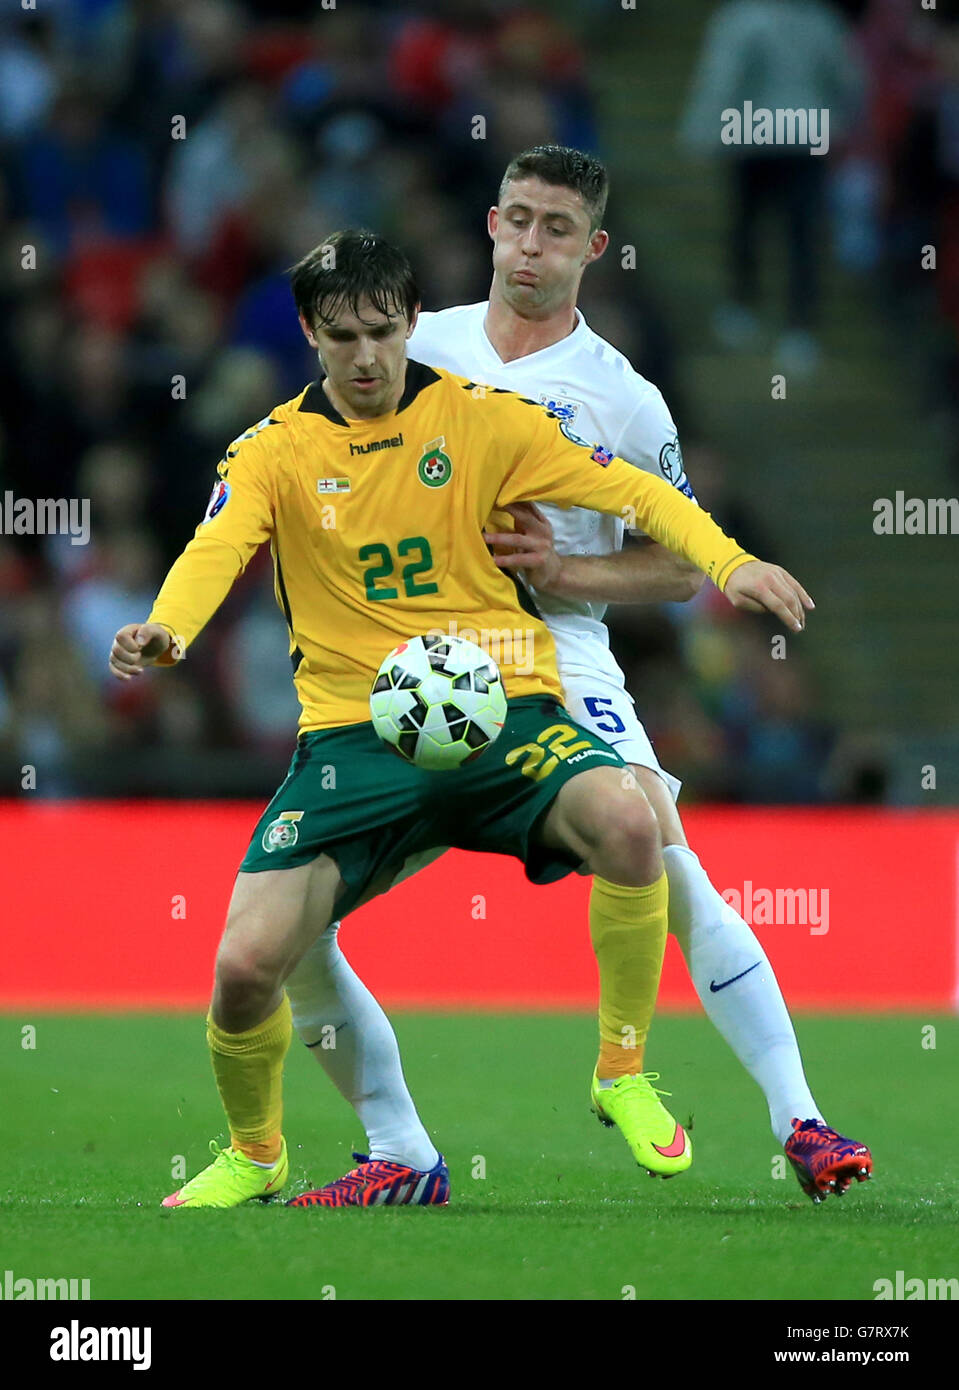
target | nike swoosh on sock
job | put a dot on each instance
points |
(714, 988)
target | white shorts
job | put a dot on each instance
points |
(600, 702)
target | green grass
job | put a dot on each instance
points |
(98, 1111)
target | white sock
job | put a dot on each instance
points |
(750, 1013)
(364, 1064)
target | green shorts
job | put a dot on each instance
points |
(349, 796)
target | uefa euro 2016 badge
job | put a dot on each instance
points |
(218, 500)
(283, 832)
(434, 468)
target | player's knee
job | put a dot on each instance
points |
(624, 826)
(244, 972)
(635, 837)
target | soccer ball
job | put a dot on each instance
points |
(438, 701)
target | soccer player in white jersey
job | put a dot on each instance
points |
(529, 337)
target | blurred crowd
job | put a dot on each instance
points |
(162, 166)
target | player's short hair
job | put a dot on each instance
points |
(348, 267)
(566, 168)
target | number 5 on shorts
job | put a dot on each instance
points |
(593, 709)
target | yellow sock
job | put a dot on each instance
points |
(249, 1075)
(628, 931)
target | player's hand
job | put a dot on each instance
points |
(530, 547)
(760, 588)
(137, 646)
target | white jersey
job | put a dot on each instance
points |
(598, 395)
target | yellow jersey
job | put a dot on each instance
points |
(376, 530)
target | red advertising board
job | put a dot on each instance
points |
(120, 905)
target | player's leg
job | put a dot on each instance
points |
(351, 1038)
(273, 917)
(618, 915)
(377, 809)
(627, 919)
(729, 969)
(740, 993)
(603, 817)
(730, 972)
(609, 823)
(283, 900)
(346, 1031)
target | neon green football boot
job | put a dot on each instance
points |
(230, 1180)
(656, 1141)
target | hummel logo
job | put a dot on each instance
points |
(393, 443)
(714, 988)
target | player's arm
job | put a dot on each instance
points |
(196, 585)
(139, 645)
(552, 468)
(643, 572)
(239, 519)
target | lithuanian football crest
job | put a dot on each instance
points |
(283, 832)
(434, 468)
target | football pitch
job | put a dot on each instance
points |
(546, 1204)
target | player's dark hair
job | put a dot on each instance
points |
(348, 267)
(566, 168)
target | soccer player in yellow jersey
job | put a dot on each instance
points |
(373, 487)
(530, 337)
